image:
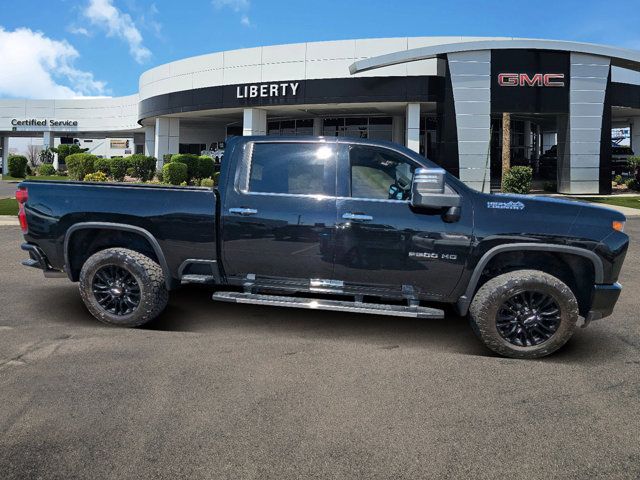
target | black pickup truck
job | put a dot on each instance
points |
(337, 224)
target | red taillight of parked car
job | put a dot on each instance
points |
(22, 196)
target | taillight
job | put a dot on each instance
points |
(22, 196)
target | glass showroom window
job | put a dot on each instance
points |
(375, 128)
(290, 127)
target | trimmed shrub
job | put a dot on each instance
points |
(118, 168)
(206, 182)
(130, 171)
(632, 184)
(159, 175)
(174, 173)
(46, 169)
(634, 166)
(143, 167)
(95, 177)
(102, 165)
(80, 164)
(18, 166)
(191, 161)
(205, 167)
(617, 180)
(166, 158)
(517, 180)
(65, 150)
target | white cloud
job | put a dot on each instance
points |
(78, 30)
(103, 14)
(235, 5)
(35, 66)
(238, 6)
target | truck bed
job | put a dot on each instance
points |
(181, 220)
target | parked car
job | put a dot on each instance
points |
(339, 224)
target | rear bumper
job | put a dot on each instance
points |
(37, 259)
(603, 299)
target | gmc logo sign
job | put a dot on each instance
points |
(537, 80)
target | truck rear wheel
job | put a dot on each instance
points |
(524, 314)
(123, 287)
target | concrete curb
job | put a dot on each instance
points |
(8, 221)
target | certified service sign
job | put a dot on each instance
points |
(33, 122)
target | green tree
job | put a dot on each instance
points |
(65, 150)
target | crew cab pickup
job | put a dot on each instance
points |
(338, 224)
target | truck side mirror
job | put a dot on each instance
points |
(428, 190)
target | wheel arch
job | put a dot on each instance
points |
(118, 227)
(464, 301)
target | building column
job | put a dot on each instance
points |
(579, 163)
(166, 138)
(471, 85)
(150, 141)
(397, 129)
(413, 127)
(254, 122)
(317, 126)
(5, 155)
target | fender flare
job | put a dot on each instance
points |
(121, 227)
(464, 301)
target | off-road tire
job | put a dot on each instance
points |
(489, 298)
(147, 273)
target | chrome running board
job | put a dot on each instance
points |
(323, 304)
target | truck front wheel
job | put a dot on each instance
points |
(123, 287)
(524, 314)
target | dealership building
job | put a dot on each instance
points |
(443, 97)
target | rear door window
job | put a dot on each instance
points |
(292, 168)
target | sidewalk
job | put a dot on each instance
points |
(8, 220)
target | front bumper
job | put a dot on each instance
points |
(603, 299)
(37, 259)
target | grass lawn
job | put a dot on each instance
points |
(631, 202)
(39, 177)
(8, 206)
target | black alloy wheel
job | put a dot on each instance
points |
(123, 287)
(116, 290)
(524, 313)
(528, 318)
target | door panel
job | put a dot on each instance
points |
(279, 221)
(381, 241)
(398, 246)
(289, 237)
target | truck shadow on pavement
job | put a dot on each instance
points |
(191, 310)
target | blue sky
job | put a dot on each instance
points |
(65, 48)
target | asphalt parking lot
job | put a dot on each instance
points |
(230, 391)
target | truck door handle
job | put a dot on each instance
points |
(243, 211)
(358, 217)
